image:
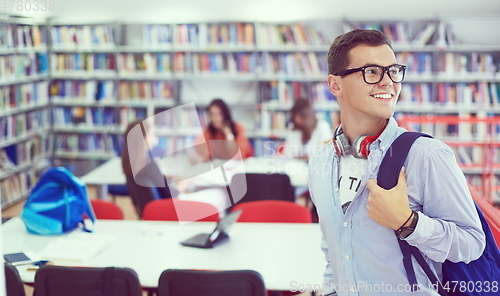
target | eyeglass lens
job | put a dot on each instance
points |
(375, 74)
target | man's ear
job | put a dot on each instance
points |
(333, 85)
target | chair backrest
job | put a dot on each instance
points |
(264, 186)
(118, 189)
(141, 195)
(80, 281)
(208, 283)
(173, 209)
(274, 211)
(106, 210)
(13, 283)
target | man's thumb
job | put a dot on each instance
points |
(402, 177)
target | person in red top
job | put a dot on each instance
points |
(222, 127)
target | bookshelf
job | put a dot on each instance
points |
(255, 56)
(475, 141)
(83, 90)
(24, 113)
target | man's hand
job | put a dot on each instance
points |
(389, 208)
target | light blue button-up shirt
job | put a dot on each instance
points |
(362, 256)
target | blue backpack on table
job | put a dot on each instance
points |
(476, 278)
(57, 204)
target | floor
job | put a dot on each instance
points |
(123, 201)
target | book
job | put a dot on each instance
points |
(76, 248)
(425, 35)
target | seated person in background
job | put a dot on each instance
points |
(306, 133)
(222, 127)
(140, 167)
(137, 161)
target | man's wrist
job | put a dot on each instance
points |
(405, 222)
(405, 231)
(410, 220)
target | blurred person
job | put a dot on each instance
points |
(231, 135)
(139, 165)
(137, 159)
(306, 133)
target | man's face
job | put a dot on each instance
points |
(358, 99)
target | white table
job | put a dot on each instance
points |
(110, 173)
(287, 255)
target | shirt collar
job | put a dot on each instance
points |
(385, 139)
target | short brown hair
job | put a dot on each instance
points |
(338, 54)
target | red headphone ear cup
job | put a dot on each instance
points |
(363, 149)
(365, 145)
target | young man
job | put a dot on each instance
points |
(431, 205)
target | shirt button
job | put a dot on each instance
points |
(345, 224)
(347, 257)
(353, 289)
(336, 190)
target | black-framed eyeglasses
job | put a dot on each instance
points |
(373, 74)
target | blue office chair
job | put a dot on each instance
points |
(117, 190)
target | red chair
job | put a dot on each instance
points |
(106, 210)
(167, 210)
(274, 211)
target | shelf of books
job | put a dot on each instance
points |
(92, 91)
(82, 89)
(24, 114)
(99, 87)
(475, 139)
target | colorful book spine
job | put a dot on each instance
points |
(82, 37)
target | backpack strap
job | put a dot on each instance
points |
(432, 277)
(387, 178)
(393, 161)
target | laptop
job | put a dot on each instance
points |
(205, 240)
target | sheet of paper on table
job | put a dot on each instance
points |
(75, 248)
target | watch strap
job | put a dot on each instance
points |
(404, 232)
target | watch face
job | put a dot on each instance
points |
(405, 232)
